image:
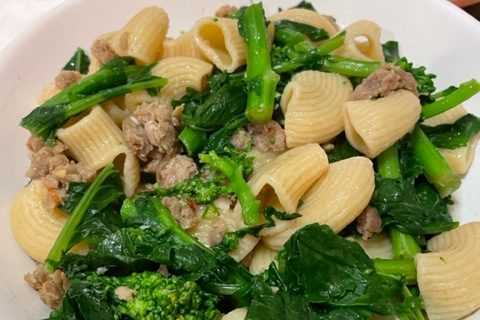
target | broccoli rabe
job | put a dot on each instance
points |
(78, 62)
(139, 296)
(201, 190)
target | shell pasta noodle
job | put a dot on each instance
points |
(372, 126)
(448, 294)
(182, 73)
(96, 141)
(183, 46)
(261, 259)
(142, 37)
(336, 199)
(355, 48)
(313, 106)
(220, 42)
(306, 16)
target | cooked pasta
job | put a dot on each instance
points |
(372, 126)
(306, 16)
(182, 73)
(336, 199)
(237, 314)
(312, 103)
(448, 277)
(447, 117)
(378, 246)
(354, 46)
(183, 46)
(261, 259)
(142, 37)
(96, 141)
(220, 42)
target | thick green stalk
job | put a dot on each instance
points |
(388, 163)
(331, 44)
(349, 67)
(404, 268)
(416, 313)
(464, 92)
(260, 76)
(436, 168)
(63, 242)
(193, 140)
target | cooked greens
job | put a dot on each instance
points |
(456, 135)
(78, 62)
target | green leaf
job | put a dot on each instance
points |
(456, 135)
(342, 150)
(391, 51)
(305, 5)
(425, 84)
(78, 62)
(289, 32)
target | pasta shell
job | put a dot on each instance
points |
(312, 103)
(305, 16)
(237, 314)
(447, 117)
(261, 259)
(372, 126)
(448, 277)
(183, 46)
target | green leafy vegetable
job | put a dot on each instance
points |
(234, 173)
(425, 84)
(202, 191)
(219, 141)
(305, 5)
(456, 135)
(261, 79)
(78, 62)
(193, 140)
(403, 268)
(391, 51)
(290, 32)
(342, 150)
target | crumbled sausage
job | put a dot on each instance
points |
(184, 212)
(102, 51)
(125, 293)
(241, 139)
(66, 78)
(369, 223)
(384, 81)
(51, 287)
(269, 136)
(177, 169)
(150, 133)
(54, 168)
(225, 11)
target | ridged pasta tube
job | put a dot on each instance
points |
(237, 314)
(142, 37)
(183, 46)
(336, 199)
(306, 17)
(370, 50)
(182, 73)
(371, 126)
(220, 42)
(262, 257)
(312, 103)
(448, 277)
(96, 141)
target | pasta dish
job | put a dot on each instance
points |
(254, 167)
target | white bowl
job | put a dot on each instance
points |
(433, 33)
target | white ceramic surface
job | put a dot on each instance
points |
(431, 32)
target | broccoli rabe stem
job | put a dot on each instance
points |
(260, 76)
(404, 268)
(436, 168)
(349, 67)
(413, 314)
(63, 242)
(464, 92)
(388, 165)
(234, 173)
(193, 140)
(331, 44)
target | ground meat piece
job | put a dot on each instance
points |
(269, 136)
(384, 81)
(50, 286)
(369, 223)
(177, 169)
(241, 139)
(149, 131)
(184, 212)
(66, 78)
(54, 168)
(125, 293)
(225, 11)
(177, 116)
(102, 51)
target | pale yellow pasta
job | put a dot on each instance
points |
(291, 174)
(183, 46)
(182, 73)
(448, 277)
(305, 16)
(142, 37)
(362, 42)
(447, 117)
(460, 159)
(262, 257)
(336, 199)
(35, 223)
(371, 126)
(115, 112)
(312, 103)
(379, 246)
(237, 314)
(96, 141)
(134, 99)
(220, 42)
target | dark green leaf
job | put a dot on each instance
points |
(289, 32)
(78, 62)
(305, 5)
(342, 150)
(74, 194)
(425, 84)
(220, 139)
(391, 51)
(456, 135)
